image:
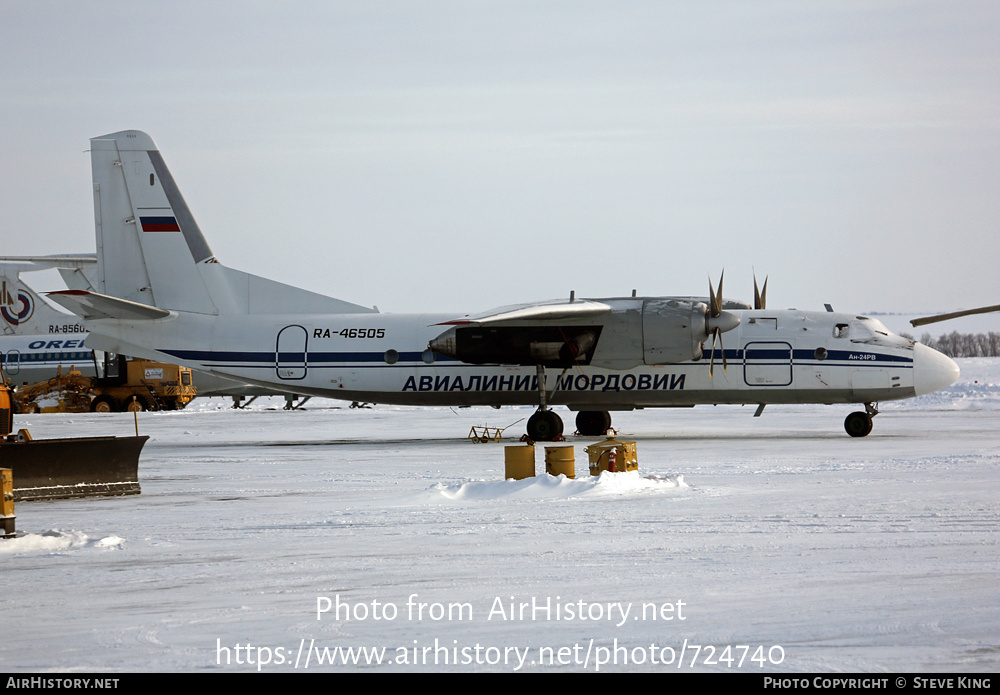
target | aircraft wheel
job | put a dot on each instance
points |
(136, 404)
(858, 424)
(593, 423)
(105, 404)
(545, 426)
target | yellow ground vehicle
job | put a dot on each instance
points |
(135, 384)
(64, 393)
(126, 384)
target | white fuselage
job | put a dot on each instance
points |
(28, 359)
(783, 356)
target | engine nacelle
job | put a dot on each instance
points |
(673, 330)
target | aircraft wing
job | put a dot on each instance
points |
(554, 310)
(91, 305)
(953, 315)
(564, 333)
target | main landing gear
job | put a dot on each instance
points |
(593, 423)
(859, 424)
(546, 425)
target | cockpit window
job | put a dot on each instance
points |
(862, 331)
(873, 332)
(842, 330)
(874, 325)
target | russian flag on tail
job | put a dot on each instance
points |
(159, 224)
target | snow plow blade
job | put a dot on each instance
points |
(51, 469)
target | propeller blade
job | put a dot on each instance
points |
(717, 333)
(725, 362)
(718, 296)
(711, 360)
(759, 296)
(715, 298)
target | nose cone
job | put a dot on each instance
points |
(932, 370)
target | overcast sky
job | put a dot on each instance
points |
(455, 156)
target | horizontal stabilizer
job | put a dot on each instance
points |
(90, 305)
(33, 263)
(77, 270)
(546, 311)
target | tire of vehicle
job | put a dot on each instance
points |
(136, 404)
(105, 404)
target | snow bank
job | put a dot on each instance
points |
(548, 486)
(55, 541)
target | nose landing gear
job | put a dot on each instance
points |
(859, 424)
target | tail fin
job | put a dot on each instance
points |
(151, 251)
(138, 214)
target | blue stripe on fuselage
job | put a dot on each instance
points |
(223, 358)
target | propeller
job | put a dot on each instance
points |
(759, 296)
(717, 323)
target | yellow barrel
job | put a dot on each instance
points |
(6, 410)
(559, 460)
(519, 462)
(6, 503)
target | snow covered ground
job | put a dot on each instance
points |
(274, 540)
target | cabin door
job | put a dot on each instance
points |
(290, 354)
(767, 363)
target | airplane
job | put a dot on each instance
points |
(163, 294)
(37, 341)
